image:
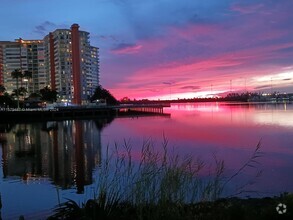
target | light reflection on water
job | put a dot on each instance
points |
(44, 161)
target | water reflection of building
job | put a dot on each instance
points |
(66, 152)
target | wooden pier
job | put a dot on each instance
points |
(141, 108)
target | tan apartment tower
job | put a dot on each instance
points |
(24, 55)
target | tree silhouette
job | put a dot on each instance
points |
(48, 94)
(2, 89)
(27, 75)
(16, 74)
(104, 94)
(21, 91)
(6, 101)
(35, 95)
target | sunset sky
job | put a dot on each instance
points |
(172, 48)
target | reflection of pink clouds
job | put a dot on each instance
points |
(279, 118)
(275, 162)
(228, 131)
(233, 127)
(188, 129)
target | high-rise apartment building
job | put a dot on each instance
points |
(23, 55)
(92, 80)
(63, 60)
(72, 64)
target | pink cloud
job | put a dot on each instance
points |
(169, 38)
(218, 70)
(193, 30)
(127, 49)
(230, 59)
(201, 54)
(247, 9)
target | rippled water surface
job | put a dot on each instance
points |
(46, 163)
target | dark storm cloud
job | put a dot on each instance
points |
(45, 27)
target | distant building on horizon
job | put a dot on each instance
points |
(64, 60)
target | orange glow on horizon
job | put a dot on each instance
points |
(187, 89)
(187, 95)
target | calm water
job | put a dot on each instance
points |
(46, 163)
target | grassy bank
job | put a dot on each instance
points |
(160, 184)
(226, 209)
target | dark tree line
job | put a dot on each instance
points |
(47, 94)
(104, 94)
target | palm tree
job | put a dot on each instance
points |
(27, 75)
(21, 91)
(16, 74)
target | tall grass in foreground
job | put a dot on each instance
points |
(159, 184)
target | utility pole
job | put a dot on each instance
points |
(271, 86)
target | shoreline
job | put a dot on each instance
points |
(87, 112)
(90, 112)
